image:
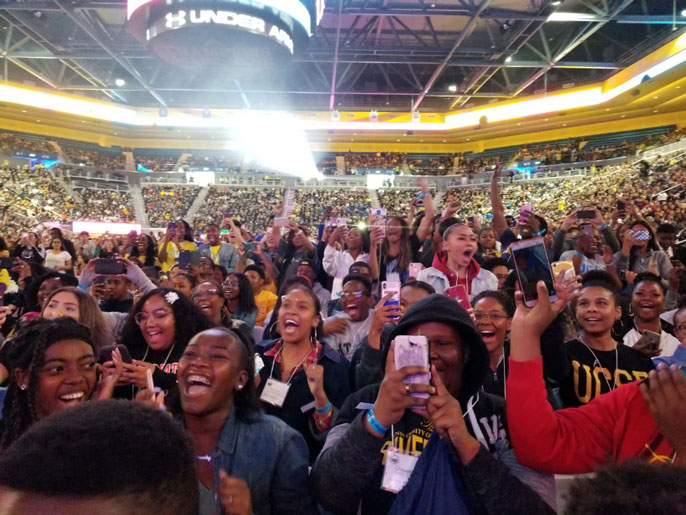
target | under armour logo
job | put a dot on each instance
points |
(175, 20)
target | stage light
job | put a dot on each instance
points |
(508, 59)
(120, 83)
(452, 88)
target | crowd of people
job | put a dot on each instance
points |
(252, 207)
(230, 161)
(156, 164)
(106, 205)
(440, 165)
(312, 203)
(95, 158)
(10, 142)
(164, 204)
(420, 362)
(412, 365)
(385, 160)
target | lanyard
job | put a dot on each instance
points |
(271, 374)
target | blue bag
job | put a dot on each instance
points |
(434, 487)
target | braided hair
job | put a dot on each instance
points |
(27, 353)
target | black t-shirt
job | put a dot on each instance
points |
(580, 378)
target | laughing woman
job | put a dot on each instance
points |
(209, 297)
(303, 381)
(247, 462)
(53, 367)
(156, 333)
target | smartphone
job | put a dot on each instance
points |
(7, 262)
(188, 258)
(459, 293)
(532, 265)
(586, 229)
(379, 216)
(101, 279)
(171, 228)
(641, 235)
(338, 222)
(651, 338)
(621, 206)
(281, 221)
(420, 201)
(110, 266)
(3, 287)
(413, 350)
(394, 288)
(586, 214)
(524, 213)
(227, 215)
(106, 353)
(248, 247)
(414, 269)
(470, 219)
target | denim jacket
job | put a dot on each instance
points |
(272, 458)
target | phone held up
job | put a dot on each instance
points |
(531, 266)
(110, 266)
(413, 350)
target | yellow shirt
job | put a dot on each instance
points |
(173, 253)
(214, 252)
(265, 302)
(271, 288)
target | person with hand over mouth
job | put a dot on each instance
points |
(356, 301)
(52, 365)
(247, 462)
(455, 264)
(156, 333)
(303, 381)
(348, 474)
(643, 420)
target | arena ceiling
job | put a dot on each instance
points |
(389, 55)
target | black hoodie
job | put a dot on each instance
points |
(349, 470)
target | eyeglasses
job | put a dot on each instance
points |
(494, 317)
(353, 294)
(205, 294)
(231, 285)
(156, 315)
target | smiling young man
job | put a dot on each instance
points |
(357, 302)
(455, 264)
(221, 253)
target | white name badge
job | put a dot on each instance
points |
(398, 469)
(275, 392)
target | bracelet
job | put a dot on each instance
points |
(374, 424)
(603, 226)
(578, 254)
(83, 286)
(324, 409)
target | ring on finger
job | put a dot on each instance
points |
(407, 388)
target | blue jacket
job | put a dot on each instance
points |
(272, 458)
(228, 257)
(298, 408)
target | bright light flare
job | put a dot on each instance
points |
(276, 141)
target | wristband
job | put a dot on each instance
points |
(603, 226)
(324, 409)
(374, 424)
(83, 286)
(578, 254)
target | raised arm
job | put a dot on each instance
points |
(499, 223)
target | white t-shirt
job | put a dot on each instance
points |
(587, 263)
(52, 260)
(668, 344)
(347, 342)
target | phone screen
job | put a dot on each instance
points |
(532, 265)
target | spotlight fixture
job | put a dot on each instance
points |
(452, 88)
(120, 83)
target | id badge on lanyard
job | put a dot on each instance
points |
(398, 470)
(275, 392)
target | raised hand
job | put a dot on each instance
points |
(445, 414)
(665, 394)
(315, 381)
(394, 395)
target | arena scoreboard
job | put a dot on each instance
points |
(238, 35)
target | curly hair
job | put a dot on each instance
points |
(189, 318)
(27, 353)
